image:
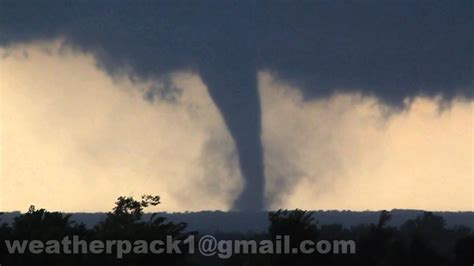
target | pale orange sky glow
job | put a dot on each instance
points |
(74, 139)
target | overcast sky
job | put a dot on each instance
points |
(237, 105)
(76, 142)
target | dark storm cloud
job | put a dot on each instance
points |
(391, 49)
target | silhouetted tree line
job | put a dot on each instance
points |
(123, 223)
(418, 242)
(424, 240)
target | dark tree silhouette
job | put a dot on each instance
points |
(123, 223)
(424, 240)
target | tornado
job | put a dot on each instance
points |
(234, 91)
(228, 68)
